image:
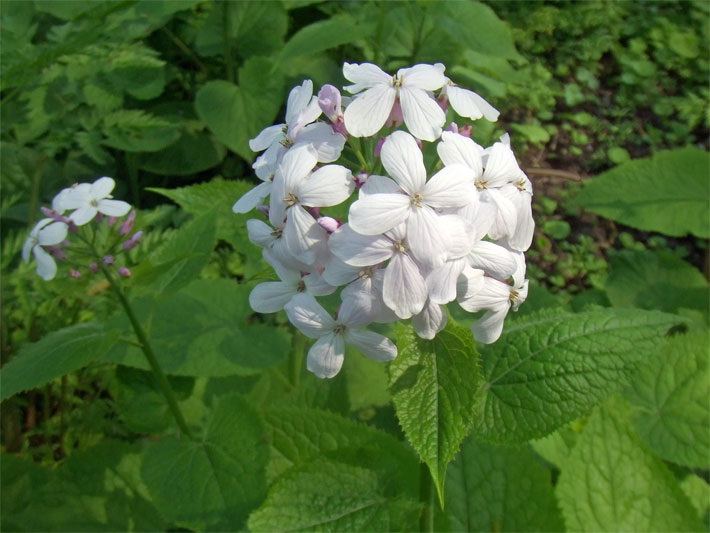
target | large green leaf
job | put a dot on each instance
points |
(330, 496)
(132, 130)
(193, 152)
(59, 353)
(236, 114)
(612, 483)
(499, 489)
(202, 331)
(671, 399)
(668, 193)
(550, 367)
(434, 387)
(655, 280)
(214, 482)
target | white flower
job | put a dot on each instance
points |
(325, 358)
(369, 110)
(46, 232)
(430, 321)
(469, 104)
(90, 199)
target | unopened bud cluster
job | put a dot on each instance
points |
(413, 240)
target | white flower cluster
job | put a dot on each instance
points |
(410, 244)
(86, 200)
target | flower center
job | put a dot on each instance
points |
(365, 273)
(339, 329)
(276, 234)
(291, 199)
(396, 81)
(286, 142)
(514, 296)
(301, 287)
(94, 202)
(520, 184)
(481, 184)
(417, 200)
(399, 246)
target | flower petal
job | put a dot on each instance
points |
(259, 232)
(377, 185)
(359, 250)
(296, 165)
(494, 259)
(46, 267)
(442, 281)
(325, 358)
(368, 112)
(52, 234)
(266, 138)
(426, 237)
(430, 321)
(501, 166)
(376, 213)
(327, 143)
(298, 99)
(423, 76)
(373, 345)
(301, 234)
(308, 316)
(404, 161)
(422, 115)
(469, 104)
(252, 198)
(488, 328)
(102, 188)
(337, 272)
(404, 290)
(457, 149)
(327, 186)
(451, 187)
(364, 75)
(113, 208)
(271, 296)
(494, 295)
(83, 215)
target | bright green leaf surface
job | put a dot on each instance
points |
(556, 447)
(612, 483)
(201, 331)
(329, 496)
(325, 34)
(132, 130)
(192, 153)
(671, 396)
(212, 483)
(236, 114)
(550, 367)
(698, 492)
(499, 489)
(59, 353)
(434, 386)
(668, 193)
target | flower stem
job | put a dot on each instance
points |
(358, 153)
(147, 349)
(427, 495)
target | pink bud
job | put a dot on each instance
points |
(329, 224)
(110, 221)
(53, 214)
(124, 272)
(453, 128)
(99, 217)
(133, 241)
(360, 179)
(74, 273)
(466, 130)
(263, 209)
(443, 102)
(339, 127)
(108, 260)
(314, 211)
(395, 119)
(378, 146)
(127, 225)
(329, 102)
(56, 252)
(93, 267)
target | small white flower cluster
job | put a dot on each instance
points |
(86, 200)
(410, 244)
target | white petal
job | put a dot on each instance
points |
(46, 267)
(252, 198)
(378, 185)
(316, 285)
(457, 149)
(337, 272)
(377, 213)
(298, 98)
(525, 227)
(364, 75)
(284, 270)
(470, 281)
(461, 235)
(296, 165)
(266, 164)
(327, 143)
(494, 295)
(327, 186)
(83, 215)
(359, 250)
(259, 232)
(519, 295)
(113, 208)
(506, 216)
(501, 166)
(426, 237)
(519, 274)
(495, 260)
(422, 76)
(404, 161)
(307, 115)
(77, 196)
(404, 290)
(422, 115)
(373, 345)
(52, 234)
(488, 328)
(102, 188)
(368, 112)
(452, 186)
(30, 243)
(325, 358)
(308, 316)
(442, 281)
(430, 321)
(355, 311)
(266, 138)
(469, 104)
(301, 234)
(271, 296)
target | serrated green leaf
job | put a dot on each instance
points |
(215, 482)
(670, 396)
(612, 483)
(329, 496)
(698, 492)
(59, 353)
(192, 153)
(655, 280)
(550, 367)
(325, 34)
(668, 193)
(434, 386)
(132, 130)
(499, 489)
(556, 447)
(236, 114)
(201, 331)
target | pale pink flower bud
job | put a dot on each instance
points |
(466, 130)
(127, 225)
(108, 260)
(110, 221)
(395, 118)
(378, 146)
(329, 102)
(360, 179)
(99, 217)
(56, 252)
(133, 241)
(453, 128)
(74, 273)
(124, 272)
(329, 224)
(263, 209)
(54, 215)
(443, 102)
(93, 267)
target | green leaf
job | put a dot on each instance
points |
(212, 483)
(670, 396)
(132, 130)
(328, 496)
(236, 114)
(202, 331)
(655, 280)
(325, 34)
(668, 193)
(612, 483)
(434, 386)
(550, 367)
(492, 36)
(499, 489)
(698, 492)
(556, 447)
(192, 153)
(366, 381)
(59, 353)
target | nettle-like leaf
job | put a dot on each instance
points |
(214, 482)
(612, 483)
(499, 489)
(329, 496)
(670, 397)
(551, 367)
(193, 152)
(434, 386)
(59, 353)
(236, 114)
(202, 331)
(668, 193)
(133, 130)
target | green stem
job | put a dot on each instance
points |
(296, 358)
(184, 49)
(427, 495)
(358, 153)
(160, 377)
